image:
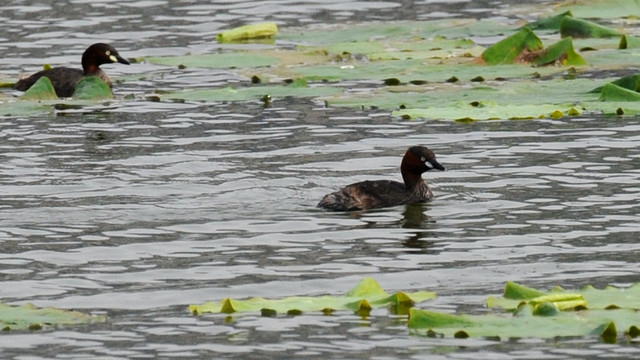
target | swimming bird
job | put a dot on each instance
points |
(64, 79)
(386, 193)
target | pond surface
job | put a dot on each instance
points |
(138, 209)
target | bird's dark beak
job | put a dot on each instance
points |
(122, 60)
(435, 165)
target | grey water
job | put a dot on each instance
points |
(137, 209)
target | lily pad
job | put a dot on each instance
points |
(25, 108)
(599, 9)
(366, 295)
(631, 82)
(629, 42)
(252, 93)
(29, 317)
(40, 90)
(609, 297)
(511, 48)
(550, 23)
(470, 112)
(526, 324)
(561, 53)
(92, 88)
(252, 31)
(540, 314)
(217, 60)
(613, 92)
(579, 28)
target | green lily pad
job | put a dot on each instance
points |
(469, 112)
(25, 108)
(41, 90)
(550, 23)
(252, 93)
(362, 33)
(629, 42)
(366, 295)
(613, 92)
(631, 82)
(595, 299)
(29, 317)
(526, 324)
(517, 291)
(490, 100)
(92, 88)
(579, 28)
(599, 9)
(538, 314)
(509, 49)
(252, 31)
(561, 53)
(355, 47)
(218, 60)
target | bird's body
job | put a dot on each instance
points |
(385, 193)
(64, 79)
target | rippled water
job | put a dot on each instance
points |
(138, 209)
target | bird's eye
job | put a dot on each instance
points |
(107, 52)
(423, 159)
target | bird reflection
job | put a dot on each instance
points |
(415, 217)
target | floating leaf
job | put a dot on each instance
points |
(252, 93)
(355, 47)
(516, 291)
(599, 9)
(366, 295)
(613, 92)
(561, 53)
(629, 42)
(299, 83)
(550, 23)
(377, 31)
(610, 296)
(579, 28)
(219, 60)
(29, 317)
(631, 82)
(508, 50)
(252, 31)
(525, 324)
(539, 314)
(486, 112)
(595, 299)
(92, 88)
(40, 90)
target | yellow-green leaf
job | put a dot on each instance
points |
(252, 31)
(365, 296)
(30, 317)
(509, 49)
(528, 324)
(629, 42)
(561, 53)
